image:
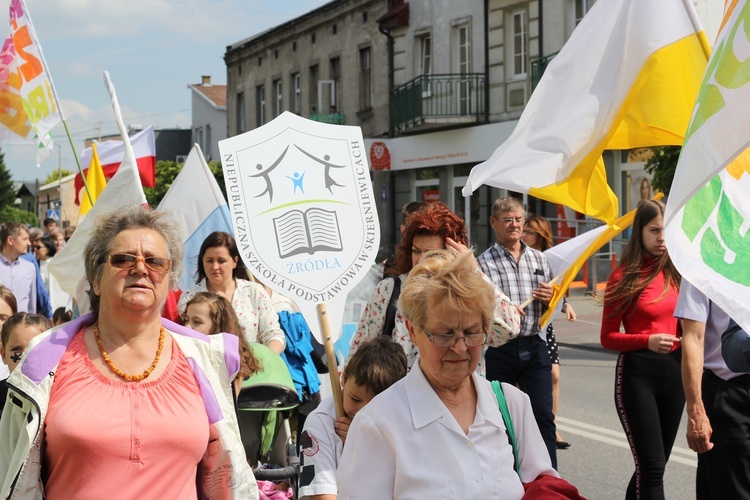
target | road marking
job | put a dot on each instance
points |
(680, 455)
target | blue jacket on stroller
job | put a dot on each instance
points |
(297, 354)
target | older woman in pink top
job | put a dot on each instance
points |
(121, 402)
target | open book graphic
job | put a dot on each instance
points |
(307, 232)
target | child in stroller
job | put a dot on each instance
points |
(263, 389)
(265, 405)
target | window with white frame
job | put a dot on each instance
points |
(425, 55)
(296, 93)
(463, 65)
(463, 40)
(277, 98)
(260, 105)
(519, 44)
(365, 78)
(424, 63)
(336, 77)
(199, 137)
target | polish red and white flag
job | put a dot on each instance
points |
(112, 152)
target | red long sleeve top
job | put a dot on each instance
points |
(649, 315)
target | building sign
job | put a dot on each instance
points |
(380, 157)
(431, 195)
(448, 147)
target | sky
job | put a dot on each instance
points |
(152, 50)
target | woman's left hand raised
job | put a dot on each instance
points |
(460, 248)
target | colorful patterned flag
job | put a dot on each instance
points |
(708, 212)
(626, 78)
(28, 109)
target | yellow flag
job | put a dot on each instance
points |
(95, 180)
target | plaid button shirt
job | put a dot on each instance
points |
(518, 279)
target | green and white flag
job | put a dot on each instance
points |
(708, 212)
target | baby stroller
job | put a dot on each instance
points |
(265, 403)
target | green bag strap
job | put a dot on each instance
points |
(506, 419)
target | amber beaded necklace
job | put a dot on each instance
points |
(121, 374)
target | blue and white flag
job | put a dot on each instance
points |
(199, 208)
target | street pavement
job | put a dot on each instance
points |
(584, 331)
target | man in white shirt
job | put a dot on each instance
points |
(17, 274)
(717, 399)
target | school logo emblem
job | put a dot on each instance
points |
(302, 206)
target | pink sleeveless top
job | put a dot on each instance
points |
(114, 439)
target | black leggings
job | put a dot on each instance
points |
(649, 401)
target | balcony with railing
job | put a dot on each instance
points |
(432, 101)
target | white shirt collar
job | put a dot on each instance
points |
(426, 407)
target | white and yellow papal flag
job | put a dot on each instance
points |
(627, 78)
(708, 211)
(567, 258)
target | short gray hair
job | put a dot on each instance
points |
(35, 233)
(130, 217)
(506, 204)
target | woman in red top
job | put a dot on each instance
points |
(641, 295)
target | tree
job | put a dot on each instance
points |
(662, 166)
(219, 176)
(56, 175)
(7, 193)
(167, 171)
(10, 213)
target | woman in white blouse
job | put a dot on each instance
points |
(221, 271)
(438, 433)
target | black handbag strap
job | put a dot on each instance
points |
(390, 313)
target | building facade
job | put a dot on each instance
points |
(458, 76)
(209, 116)
(329, 65)
(59, 197)
(471, 67)
(322, 65)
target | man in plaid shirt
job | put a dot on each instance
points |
(522, 272)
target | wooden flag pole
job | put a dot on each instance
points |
(333, 368)
(531, 299)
